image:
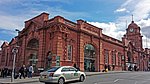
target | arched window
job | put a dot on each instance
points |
(89, 51)
(69, 49)
(114, 57)
(129, 56)
(119, 58)
(34, 43)
(106, 56)
(89, 57)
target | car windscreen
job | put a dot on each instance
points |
(53, 69)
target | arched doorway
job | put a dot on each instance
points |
(129, 62)
(32, 52)
(129, 56)
(89, 58)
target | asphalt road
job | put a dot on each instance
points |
(117, 78)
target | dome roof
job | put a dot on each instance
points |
(133, 25)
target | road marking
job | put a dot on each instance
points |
(116, 80)
(135, 76)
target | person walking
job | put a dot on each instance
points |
(2, 73)
(30, 71)
(113, 67)
(22, 71)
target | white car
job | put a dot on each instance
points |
(61, 75)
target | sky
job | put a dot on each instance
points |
(112, 16)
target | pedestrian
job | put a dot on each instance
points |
(22, 72)
(5, 72)
(2, 73)
(130, 68)
(109, 68)
(106, 68)
(25, 71)
(113, 67)
(74, 66)
(30, 71)
(135, 68)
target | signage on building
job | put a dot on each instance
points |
(14, 50)
(57, 60)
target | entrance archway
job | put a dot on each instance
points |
(129, 56)
(129, 62)
(89, 58)
(32, 52)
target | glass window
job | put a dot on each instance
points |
(72, 69)
(34, 43)
(69, 52)
(53, 69)
(119, 58)
(113, 57)
(65, 69)
(106, 56)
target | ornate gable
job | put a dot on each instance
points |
(5, 44)
(13, 41)
(59, 27)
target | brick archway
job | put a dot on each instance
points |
(32, 52)
(89, 57)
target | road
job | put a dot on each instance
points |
(117, 78)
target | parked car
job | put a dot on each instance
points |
(61, 75)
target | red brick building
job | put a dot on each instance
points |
(48, 42)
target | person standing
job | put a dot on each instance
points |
(2, 73)
(113, 67)
(30, 71)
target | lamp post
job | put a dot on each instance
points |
(15, 50)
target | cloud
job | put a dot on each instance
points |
(30, 9)
(10, 22)
(122, 10)
(140, 10)
(1, 42)
(109, 29)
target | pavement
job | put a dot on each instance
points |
(36, 79)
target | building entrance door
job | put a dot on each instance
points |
(89, 65)
(89, 58)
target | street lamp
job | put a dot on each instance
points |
(15, 51)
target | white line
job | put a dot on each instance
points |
(116, 80)
(135, 76)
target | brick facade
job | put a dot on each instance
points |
(48, 42)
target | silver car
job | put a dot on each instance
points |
(61, 75)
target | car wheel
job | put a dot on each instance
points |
(82, 78)
(61, 81)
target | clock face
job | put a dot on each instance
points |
(131, 30)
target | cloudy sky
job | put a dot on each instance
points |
(112, 16)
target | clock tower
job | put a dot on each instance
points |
(134, 36)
